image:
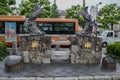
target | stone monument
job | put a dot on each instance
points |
(35, 47)
(86, 48)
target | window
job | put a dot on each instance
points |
(21, 29)
(2, 28)
(57, 27)
(110, 34)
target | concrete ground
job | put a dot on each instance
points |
(58, 70)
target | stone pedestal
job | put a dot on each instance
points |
(13, 63)
(108, 63)
(36, 49)
(85, 50)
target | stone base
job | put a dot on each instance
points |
(46, 60)
(108, 63)
(13, 63)
(85, 50)
(60, 55)
(36, 49)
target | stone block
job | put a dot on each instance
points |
(72, 56)
(66, 78)
(24, 78)
(34, 37)
(46, 60)
(47, 39)
(41, 54)
(77, 57)
(74, 40)
(88, 56)
(13, 63)
(26, 56)
(102, 78)
(74, 48)
(72, 61)
(115, 77)
(77, 61)
(83, 61)
(60, 55)
(40, 78)
(48, 46)
(47, 53)
(108, 63)
(98, 55)
(36, 61)
(86, 78)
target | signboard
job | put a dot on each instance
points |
(10, 31)
(93, 12)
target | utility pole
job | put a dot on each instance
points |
(83, 3)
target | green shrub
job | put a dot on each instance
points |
(3, 51)
(113, 50)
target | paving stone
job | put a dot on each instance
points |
(40, 78)
(6, 78)
(115, 77)
(24, 78)
(86, 78)
(49, 70)
(66, 78)
(102, 78)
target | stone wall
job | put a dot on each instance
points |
(35, 48)
(85, 50)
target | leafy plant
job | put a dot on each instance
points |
(113, 50)
(27, 6)
(3, 51)
(109, 15)
(74, 12)
(7, 7)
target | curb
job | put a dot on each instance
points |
(112, 77)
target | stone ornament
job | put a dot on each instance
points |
(89, 23)
(30, 24)
(13, 63)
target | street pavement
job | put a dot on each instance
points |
(59, 69)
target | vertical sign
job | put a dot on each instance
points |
(10, 31)
(93, 12)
